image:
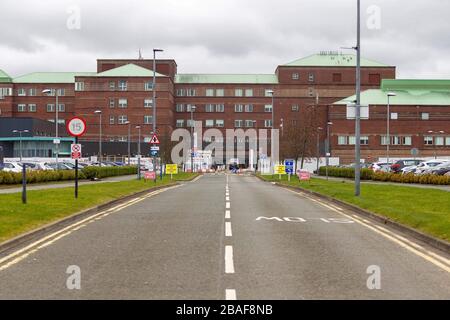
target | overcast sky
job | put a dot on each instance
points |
(222, 36)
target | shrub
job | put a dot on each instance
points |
(103, 172)
(366, 174)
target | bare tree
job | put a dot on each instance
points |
(298, 140)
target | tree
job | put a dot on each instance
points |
(298, 140)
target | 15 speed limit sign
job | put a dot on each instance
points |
(76, 127)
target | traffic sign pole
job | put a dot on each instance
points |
(76, 172)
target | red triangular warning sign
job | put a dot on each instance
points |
(154, 139)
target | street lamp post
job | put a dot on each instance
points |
(139, 152)
(192, 137)
(20, 141)
(49, 91)
(388, 117)
(99, 112)
(318, 148)
(434, 140)
(358, 104)
(154, 101)
(129, 140)
(272, 93)
(329, 123)
(282, 126)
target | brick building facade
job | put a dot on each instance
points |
(122, 90)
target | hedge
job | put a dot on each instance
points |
(367, 174)
(62, 175)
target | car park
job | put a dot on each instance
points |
(398, 165)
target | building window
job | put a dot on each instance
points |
(220, 92)
(407, 141)
(111, 139)
(238, 92)
(180, 107)
(374, 78)
(50, 107)
(268, 92)
(123, 103)
(79, 86)
(425, 116)
(248, 108)
(220, 123)
(122, 139)
(439, 141)
(238, 123)
(311, 92)
(364, 140)
(249, 92)
(122, 85)
(210, 92)
(394, 116)
(428, 140)
(311, 77)
(180, 123)
(21, 92)
(111, 119)
(220, 107)
(180, 92)
(351, 140)
(268, 123)
(148, 119)
(31, 108)
(122, 119)
(294, 108)
(337, 77)
(111, 102)
(21, 107)
(190, 123)
(148, 86)
(209, 108)
(32, 91)
(112, 86)
(148, 103)
(447, 141)
(209, 123)
(189, 107)
(397, 140)
(249, 123)
(238, 108)
(61, 107)
(190, 92)
(342, 140)
(295, 76)
(268, 108)
(61, 92)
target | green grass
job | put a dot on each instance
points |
(45, 206)
(427, 210)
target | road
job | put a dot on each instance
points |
(226, 237)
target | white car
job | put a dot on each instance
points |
(380, 167)
(12, 167)
(423, 166)
(36, 165)
(430, 169)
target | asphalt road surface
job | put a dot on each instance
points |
(226, 237)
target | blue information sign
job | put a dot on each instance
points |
(289, 166)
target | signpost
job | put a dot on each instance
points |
(76, 127)
(304, 175)
(280, 169)
(149, 175)
(289, 167)
(154, 152)
(171, 169)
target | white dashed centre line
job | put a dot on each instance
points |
(228, 232)
(229, 264)
(227, 205)
(230, 294)
(227, 214)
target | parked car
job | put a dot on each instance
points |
(380, 167)
(12, 167)
(398, 165)
(410, 169)
(36, 165)
(441, 169)
(423, 166)
(59, 166)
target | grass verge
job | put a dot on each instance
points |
(45, 206)
(427, 210)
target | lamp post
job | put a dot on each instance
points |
(155, 50)
(192, 137)
(388, 117)
(20, 141)
(272, 93)
(318, 148)
(282, 126)
(56, 141)
(99, 112)
(434, 140)
(129, 140)
(358, 103)
(139, 152)
(327, 147)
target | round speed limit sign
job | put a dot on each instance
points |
(76, 127)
